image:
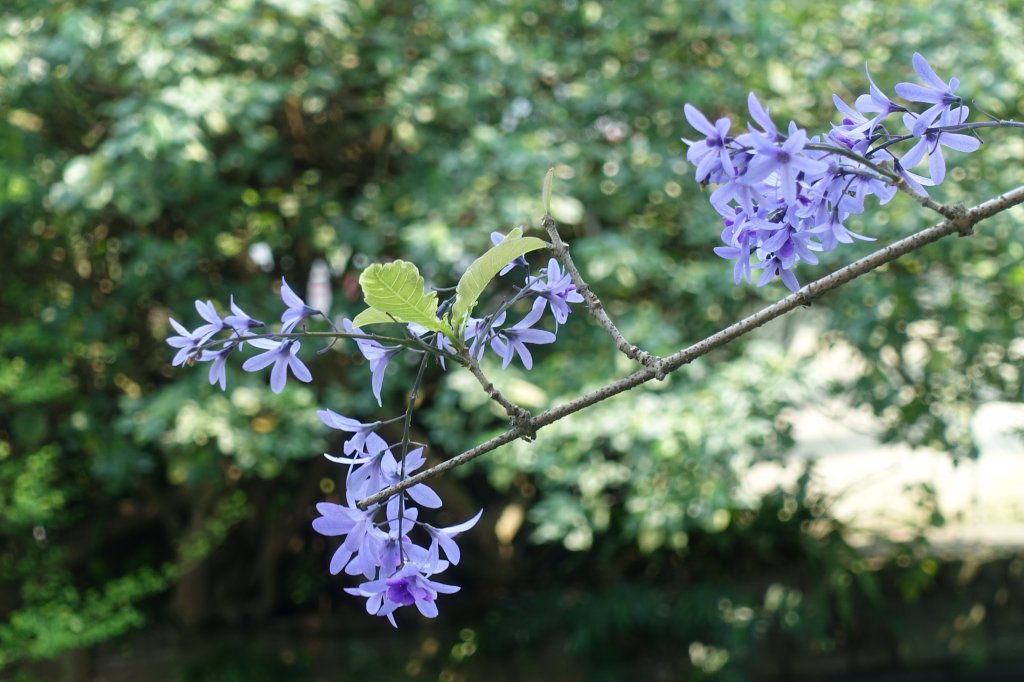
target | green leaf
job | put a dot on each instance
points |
(484, 269)
(397, 289)
(372, 316)
(545, 192)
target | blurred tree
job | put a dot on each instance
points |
(156, 153)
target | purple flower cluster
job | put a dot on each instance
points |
(396, 553)
(280, 351)
(784, 196)
(377, 543)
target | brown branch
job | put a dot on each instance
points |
(951, 212)
(593, 303)
(520, 416)
(962, 223)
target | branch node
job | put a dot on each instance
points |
(961, 218)
(522, 420)
(650, 362)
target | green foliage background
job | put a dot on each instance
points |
(145, 147)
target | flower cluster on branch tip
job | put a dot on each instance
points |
(784, 196)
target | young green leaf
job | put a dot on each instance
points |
(396, 289)
(484, 269)
(372, 316)
(545, 191)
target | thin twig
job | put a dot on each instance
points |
(963, 223)
(593, 303)
(949, 212)
(520, 416)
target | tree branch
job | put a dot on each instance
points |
(962, 223)
(520, 416)
(593, 303)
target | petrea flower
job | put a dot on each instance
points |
(914, 181)
(738, 190)
(739, 235)
(711, 154)
(219, 357)
(875, 102)
(297, 308)
(559, 291)
(761, 117)
(940, 95)
(213, 322)
(186, 342)
(443, 536)
(478, 329)
(507, 342)
(853, 126)
(785, 160)
(441, 342)
(376, 354)
(934, 139)
(360, 431)
(282, 354)
(497, 238)
(409, 585)
(395, 545)
(833, 232)
(774, 265)
(351, 522)
(394, 472)
(239, 320)
(374, 471)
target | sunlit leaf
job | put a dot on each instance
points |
(372, 316)
(486, 267)
(397, 289)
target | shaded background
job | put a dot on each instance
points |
(155, 528)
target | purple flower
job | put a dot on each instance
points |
(785, 160)
(497, 238)
(914, 181)
(214, 323)
(854, 123)
(507, 342)
(239, 320)
(376, 354)
(186, 342)
(739, 234)
(761, 117)
(940, 95)
(440, 341)
(410, 585)
(738, 190)
(833, 232)
(282, 354)
(394, 472)
(219, 358)
(374, 470)
(559, 291)
(395, 546)
(479, 330)
(355, 444)
(875, 102)
(297, 308)
(352, 522)
(443, 537)
(934, 139)
(710, 155)
(773, 266)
